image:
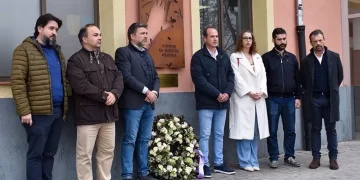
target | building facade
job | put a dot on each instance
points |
(337, 19)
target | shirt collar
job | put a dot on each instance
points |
(322, 54)
(213, 55)
(139, 48)
(285, 53)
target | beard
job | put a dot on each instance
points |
(48, 41)
(280, 47)
(319, 48)
(141, 43)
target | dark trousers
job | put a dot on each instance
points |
(284, 107)
(43, 138)
(321, 109)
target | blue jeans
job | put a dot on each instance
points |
(138, 128)
(215, 120)
(43, 138)
(247, 150)
(286, 108)
(322, 110)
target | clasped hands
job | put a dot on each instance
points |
(255, 96)
(151, 97)
(223, 97)
(111, 99)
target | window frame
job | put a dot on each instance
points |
(5, 80)
(221, 20)
(96, 10)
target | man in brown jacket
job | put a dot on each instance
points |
(97, 85)
(39, 90)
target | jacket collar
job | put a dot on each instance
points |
(83, 49)
(137, 48)
(325, 50)
(245, 62)
(93, 53)
(32, 40)
(286, 53)
(207, 53)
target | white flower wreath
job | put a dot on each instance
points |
(171, 149)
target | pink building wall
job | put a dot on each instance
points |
(319, 14)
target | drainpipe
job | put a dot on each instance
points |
(300, 29)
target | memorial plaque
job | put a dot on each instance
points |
(165, 31)
(168, 80)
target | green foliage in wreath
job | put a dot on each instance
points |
(171, 149)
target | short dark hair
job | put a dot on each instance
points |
(133, 28)
(84, 32)
(278, 31)
(43, 20)
(205, 33)
(315, 33)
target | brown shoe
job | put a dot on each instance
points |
(334, 165)
(315, 163)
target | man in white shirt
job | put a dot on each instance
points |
(321, 74)
(213, 77)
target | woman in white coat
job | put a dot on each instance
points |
(247, 115)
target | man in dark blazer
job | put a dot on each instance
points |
(137, 101)
(321, 75)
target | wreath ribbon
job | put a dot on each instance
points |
(201, 164)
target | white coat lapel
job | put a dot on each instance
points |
(257, 63)
(245, 62)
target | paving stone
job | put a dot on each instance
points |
(348, 160)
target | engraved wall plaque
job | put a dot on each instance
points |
(165, 31)
(168, 80)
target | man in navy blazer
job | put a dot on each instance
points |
(137, 101)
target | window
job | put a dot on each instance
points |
(17, 22)
(20, 19)
(230, 17)
(209, 15)
(74, 15)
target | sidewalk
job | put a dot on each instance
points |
(348, 160)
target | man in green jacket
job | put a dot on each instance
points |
(39, 90)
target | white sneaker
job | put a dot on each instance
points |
(256, 168)
(250, 169)
(291, 161)
(274, 164)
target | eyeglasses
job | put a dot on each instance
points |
(247, 38)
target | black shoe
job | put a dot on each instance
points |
(207, 172)
(148, 177)
(223, 169)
